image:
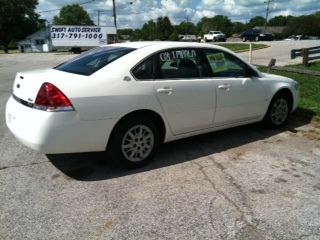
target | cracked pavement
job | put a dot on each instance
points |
(242, 183)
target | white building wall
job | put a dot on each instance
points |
(36, 42)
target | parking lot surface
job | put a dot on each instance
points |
(241, 183)
(279, 50)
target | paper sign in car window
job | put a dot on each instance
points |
(217, 62)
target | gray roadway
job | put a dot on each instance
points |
(279, 50)
(243, 183)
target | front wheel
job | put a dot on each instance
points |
(278, 111)
(134, 142)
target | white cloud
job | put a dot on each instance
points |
(140, 11)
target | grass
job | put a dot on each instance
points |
(242, 47)
(10, 51)
(309, 92)
(313, 66)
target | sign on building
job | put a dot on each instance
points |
(88, 36)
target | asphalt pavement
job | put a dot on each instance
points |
(279, 50)
(242, 183)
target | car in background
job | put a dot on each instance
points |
(215, 36)
(293, 38)
(188, 38)
(256, 35)
(128, 98)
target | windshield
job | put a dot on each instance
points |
(93, 60)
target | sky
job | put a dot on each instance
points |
(134, 13)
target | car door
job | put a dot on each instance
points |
(186, 97)
(241, 95)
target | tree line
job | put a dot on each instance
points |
(162, 28)
(18, 19)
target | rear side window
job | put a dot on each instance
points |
(93, 60)
(178, 63)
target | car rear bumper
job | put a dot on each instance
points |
(56, 132)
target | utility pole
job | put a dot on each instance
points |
(99, 11)
(267, 12)
(114, 13)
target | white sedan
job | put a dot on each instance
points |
(129, 98)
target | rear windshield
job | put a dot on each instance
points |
(91, 61)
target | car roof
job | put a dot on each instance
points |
(163, 44)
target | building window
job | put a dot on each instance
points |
(39, 41)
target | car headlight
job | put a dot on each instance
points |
(262, 35)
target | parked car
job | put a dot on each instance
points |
(128, 98)
(256, 35)
(215, 36)
(188, 38)
(293, 38)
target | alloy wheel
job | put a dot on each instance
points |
(279, 111)
(137, 143)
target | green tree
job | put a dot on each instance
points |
(73, 15)
(317, 13)
(148, 30)
(304, 25)
(238, 27)
(219, 22)
(163, 28)
(186, 28)
(17, 20)
(280, 20)
(136, 35)
(256, 21)
(174, 36)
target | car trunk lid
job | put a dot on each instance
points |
(27, 84)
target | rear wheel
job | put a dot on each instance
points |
(278, 111)
(134, 142)
(244, 39)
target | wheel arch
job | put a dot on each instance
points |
(146, 113)
(283, 91)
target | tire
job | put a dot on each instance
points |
(205, 40)
(278, 111)
(134, 142)
(257, 39)
(244, 39)
(76, 50)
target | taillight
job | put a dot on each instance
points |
(51, 99)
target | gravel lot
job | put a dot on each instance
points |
(242, 183)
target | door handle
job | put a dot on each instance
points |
(165, 90)
(224, 87)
